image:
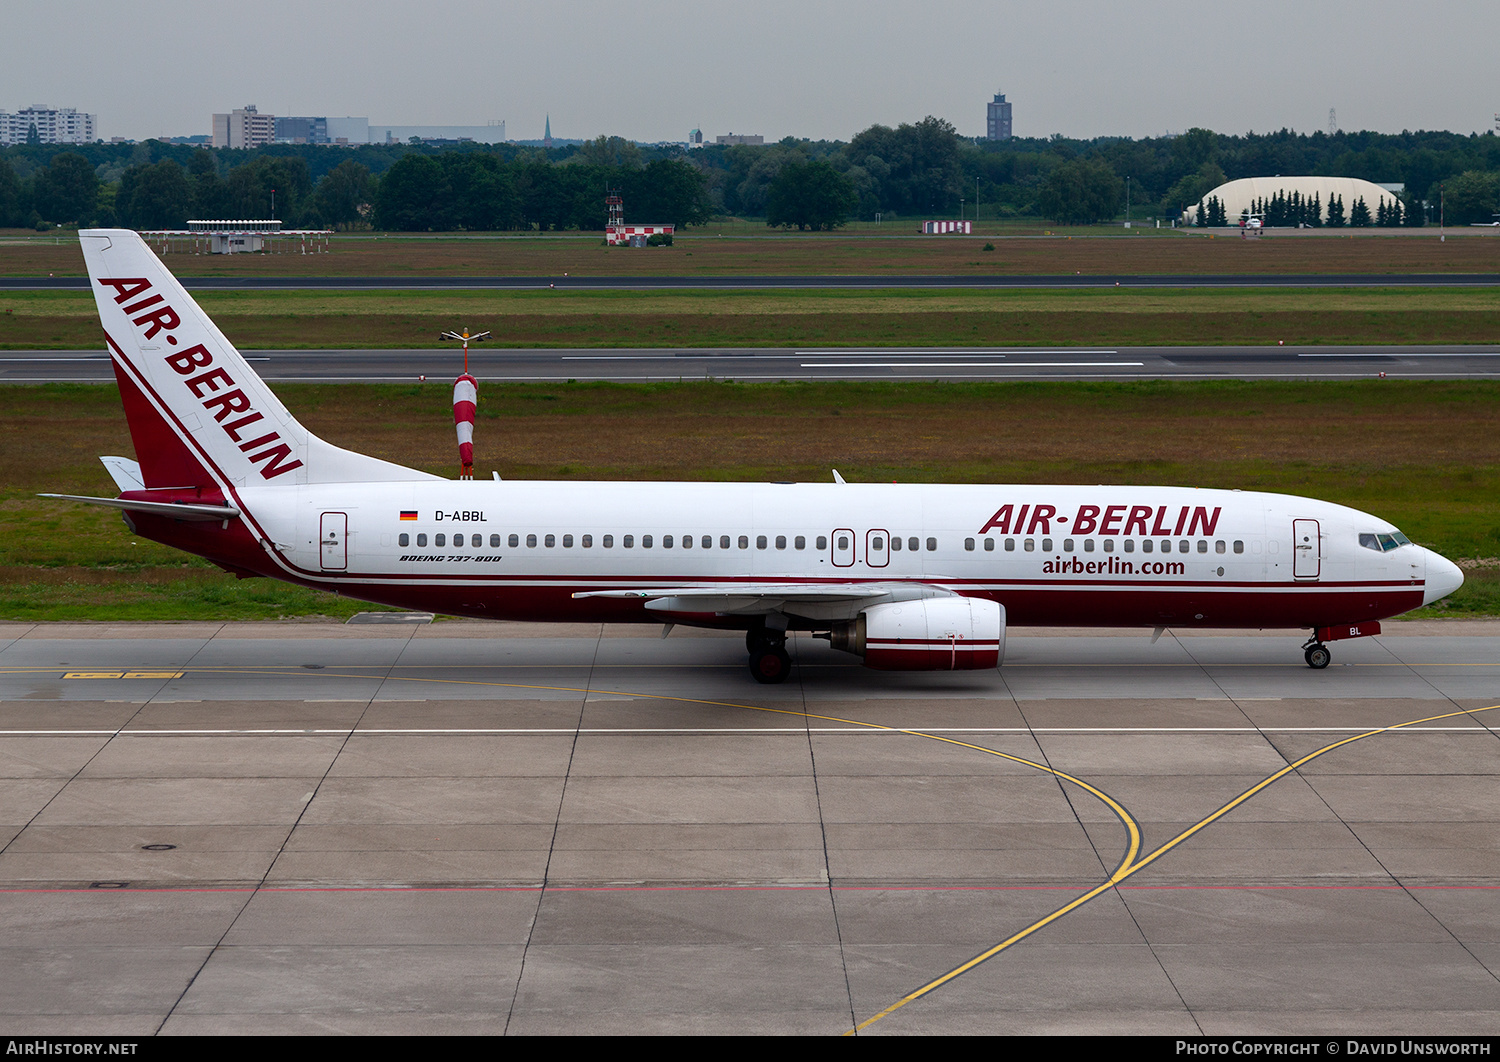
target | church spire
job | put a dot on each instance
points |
(547, 136)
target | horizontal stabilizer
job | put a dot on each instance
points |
(176, 510)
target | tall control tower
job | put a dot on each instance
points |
(997, 127)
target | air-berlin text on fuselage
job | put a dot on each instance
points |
(1143, 520)
(213, 385)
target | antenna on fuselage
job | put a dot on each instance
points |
(465, 399)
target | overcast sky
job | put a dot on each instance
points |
(825, 69)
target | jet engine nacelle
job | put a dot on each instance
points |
(929, 634)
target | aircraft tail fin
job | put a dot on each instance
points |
(198, 413)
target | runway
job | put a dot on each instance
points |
(484, 828)
(754, 364)
(755, 282)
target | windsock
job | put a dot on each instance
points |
(465, 396)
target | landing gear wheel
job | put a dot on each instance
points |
(1318, 656)
(770, 665)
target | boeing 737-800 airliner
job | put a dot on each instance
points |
(921, 577)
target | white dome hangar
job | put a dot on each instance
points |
(1237, 196)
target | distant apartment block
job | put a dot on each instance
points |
(54, 125)
(740, 138)
(244, 128)
(997, 124)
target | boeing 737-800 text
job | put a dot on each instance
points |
(921, 577)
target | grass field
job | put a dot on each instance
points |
(701, 253)
(1424, 455)
(822, 318)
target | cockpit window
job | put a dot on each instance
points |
(1383, 543)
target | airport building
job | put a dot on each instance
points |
(244, 128)
(997, 120)
(1238, 196)
(322, 130)
(492, 133)
(53, 125)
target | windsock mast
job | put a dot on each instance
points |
(465, 399)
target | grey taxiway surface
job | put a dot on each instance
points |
(485, 828)
(658, 283)
(959, 363)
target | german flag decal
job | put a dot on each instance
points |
(408, 514)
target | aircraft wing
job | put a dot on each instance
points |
(815, 600)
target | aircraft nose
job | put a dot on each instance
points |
(1443, 577)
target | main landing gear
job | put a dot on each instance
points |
(770, 663)
(1316, 654)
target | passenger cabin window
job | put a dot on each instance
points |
(989, 545)
(567, 542)
(932, 544)
(822, 542)
(1239, 546)
(515, 540)
(1130, 545)
(687, 541)
(608, 542)
(912, 545)
(761, 542)
(1010, 545)
(800, 542)
(550, 541)
(628, 542)
(723, 541)
(494, 541)
(531, 542)
(707, 542)
(645, 542)
(781, 542)
(969, 544)
(404, 540)
(588, 541)
(666, 541)
(421, 540)
(744, 542)
(439, 540)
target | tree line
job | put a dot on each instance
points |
(913, 170)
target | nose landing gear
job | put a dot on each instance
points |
(1316, 654)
